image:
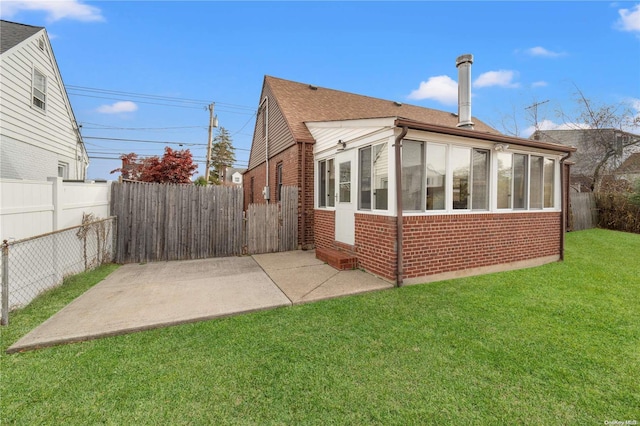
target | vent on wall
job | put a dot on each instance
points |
(41, 44)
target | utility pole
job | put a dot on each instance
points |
(210, 142)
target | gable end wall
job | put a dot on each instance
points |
(280, 136)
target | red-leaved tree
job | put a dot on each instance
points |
(173, 167)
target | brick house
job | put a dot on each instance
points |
(410, 194)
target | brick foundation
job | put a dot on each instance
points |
(437, 244)
(444, 243)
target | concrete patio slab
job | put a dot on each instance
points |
(143, 296)
(303, 278)
(138, 297)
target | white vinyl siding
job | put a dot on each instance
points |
(25, 123)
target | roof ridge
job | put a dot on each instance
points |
(20, 23)
(356, 94)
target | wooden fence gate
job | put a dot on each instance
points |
(177, 222)
(584, 213)
(273, 227)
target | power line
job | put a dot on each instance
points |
(137, 101)
(107, 127)
(157, 97)
(151, 141)
(155, 103)
(143, 141)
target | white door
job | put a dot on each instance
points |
(346, 197)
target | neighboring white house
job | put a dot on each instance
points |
(233, 176)
(236, 178)
(39, 136)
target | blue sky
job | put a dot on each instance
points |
(184, 55)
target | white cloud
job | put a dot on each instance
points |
(55, 10)
(502, 78)
(118, 107)
(539, 84)
(440, 88)
(635, 104)
(541, 51)
(629, 19)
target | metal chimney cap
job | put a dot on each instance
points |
(464, 59)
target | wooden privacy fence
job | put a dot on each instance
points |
(262, 220)
(584, 213)
(177, 222)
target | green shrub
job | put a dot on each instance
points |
(620, 212)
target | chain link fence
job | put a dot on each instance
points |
(34, 265)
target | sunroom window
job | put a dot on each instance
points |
(412, 175)
(549, 179)
(373, 179)
(436, 176)
(512, 181)
(470, 169)
(327, 183)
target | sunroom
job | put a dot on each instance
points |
(416, 202)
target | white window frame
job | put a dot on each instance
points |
(328, 200)
(63, 170)
(40, 97)
(512, 181)
(492, 183)
(383, 149)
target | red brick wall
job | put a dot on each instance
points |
(436, 244)
(324, 226)
(445, 243)
(291, 160)
(307, 195)
(258, 174)
(376, 244)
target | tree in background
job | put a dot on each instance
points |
(222, 156)
(173, 167)
(604, 146)
(200, 181)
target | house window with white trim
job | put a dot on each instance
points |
(436, 176)
(63, 170)
(549, 182)
(327, 184)
(512, 181)
(470, 170)
(373, 192)
(39, 90)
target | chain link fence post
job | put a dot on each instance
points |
(5, 283)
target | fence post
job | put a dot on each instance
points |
(5, 283)
(56, 196)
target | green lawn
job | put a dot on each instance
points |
(558, 344)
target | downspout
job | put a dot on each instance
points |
(565, 204)
(266, 145)
(398, 154)
(303, 217)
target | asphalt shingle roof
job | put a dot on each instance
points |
(631, 164)
(12, 33)
(301, 102)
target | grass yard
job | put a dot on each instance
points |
(558, 344)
